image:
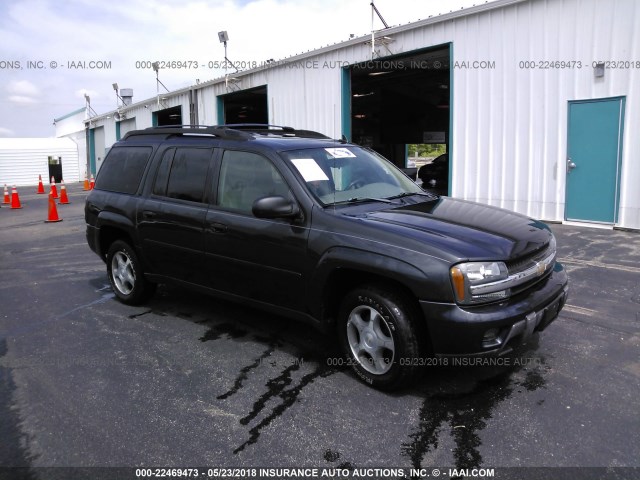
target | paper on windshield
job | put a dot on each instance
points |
(309, 169)
(340, 152)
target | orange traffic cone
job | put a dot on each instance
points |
(7, 199)
(92, 182)
(54, 190)
(15, 199)
(40, 185)
(86, 183)
(53, 211)
(63, 194)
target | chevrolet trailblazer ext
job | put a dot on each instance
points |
(327, 232)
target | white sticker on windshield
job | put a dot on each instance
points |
(309, 169)
(340, 152)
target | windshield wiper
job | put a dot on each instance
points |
(368, 199)
(364, 199)
(409, 194)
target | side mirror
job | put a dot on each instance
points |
(275, 207)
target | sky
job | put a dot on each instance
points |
(52, 52)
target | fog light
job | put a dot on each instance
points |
(491, 338)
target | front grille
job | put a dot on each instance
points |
(529, 261)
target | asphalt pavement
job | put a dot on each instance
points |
(189, 380)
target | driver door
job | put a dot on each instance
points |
(261, 259)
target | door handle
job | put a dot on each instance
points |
(216, 227)
(148, 214)
(570, 164)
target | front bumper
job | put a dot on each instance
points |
(456, 330)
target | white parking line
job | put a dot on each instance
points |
(587, 263)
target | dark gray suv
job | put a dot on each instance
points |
(326, 232)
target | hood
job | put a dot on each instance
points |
(465, 229)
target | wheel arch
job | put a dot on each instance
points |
(343, 269)
(112, 227)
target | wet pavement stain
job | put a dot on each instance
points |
(13, 452)
(465, 415)
(534, 380)
(152, 312)
(228, 329)
(276, 387)
(331, 456)
(244, 372)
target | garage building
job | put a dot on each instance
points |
(23, 160)
(537, 103)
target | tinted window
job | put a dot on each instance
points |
(246, 177)
(122, 169)
(188, 173)
(160, 184)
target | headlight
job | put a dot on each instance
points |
(466, 277)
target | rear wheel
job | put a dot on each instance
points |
(126, 275)
(378, 334)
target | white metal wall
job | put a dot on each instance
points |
(23, 159)
(72, 126)
(126, 126)
(509, 124)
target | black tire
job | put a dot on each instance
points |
(127, 280)
(381, 315)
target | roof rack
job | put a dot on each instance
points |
(235, 131)
(268, 129)
(169, 130)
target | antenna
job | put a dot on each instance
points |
(374, 10)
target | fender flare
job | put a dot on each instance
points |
(334, 259)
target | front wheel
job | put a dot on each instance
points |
(126, 275)
(378, 333)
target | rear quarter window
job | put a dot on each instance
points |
(122, 169)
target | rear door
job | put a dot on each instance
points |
(258, 258)
(171, 220)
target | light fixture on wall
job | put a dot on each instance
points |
(598, 70)
(223, 36)
(118, 97)
(89, 110)
(156, 68)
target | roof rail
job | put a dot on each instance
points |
(266, 129)
(234, 131)
(169, 130)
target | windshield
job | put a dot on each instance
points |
(349, 173)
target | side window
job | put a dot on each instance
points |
(183, 173)
(160, 184)
(122, 169)
(246, 177)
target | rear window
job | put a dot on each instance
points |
(122, 169)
